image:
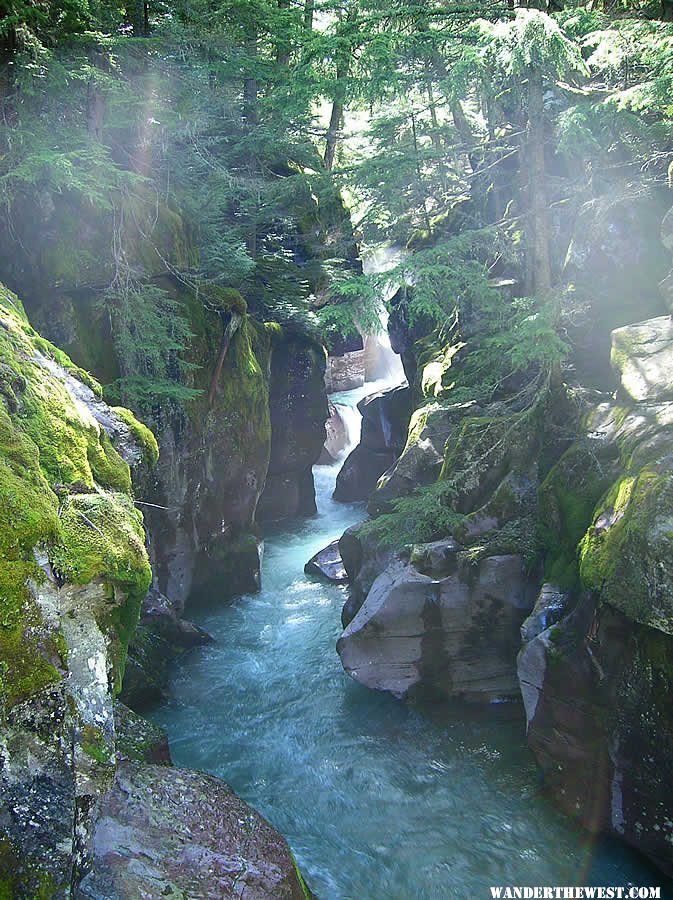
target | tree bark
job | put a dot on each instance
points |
(336, 115)
(309, 9)
(342, 59)
(538, 229)
(283, 44)
(250, 81)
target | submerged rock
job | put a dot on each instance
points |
(170, 832)
(327, 563)
(437, 622)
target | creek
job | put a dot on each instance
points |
(378, 799)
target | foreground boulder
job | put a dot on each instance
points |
(438, 623)
(170, 832)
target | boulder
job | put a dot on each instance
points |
(327, 563)
(170, 832)
(642, 354)
(385, 417)
(437, 623)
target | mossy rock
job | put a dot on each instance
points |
(64, 490)
(627, 554)
(567, 498)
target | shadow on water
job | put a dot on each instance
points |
(378, 799)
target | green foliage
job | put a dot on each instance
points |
(424, 516)
(150, 333)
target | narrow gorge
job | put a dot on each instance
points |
(336, 449)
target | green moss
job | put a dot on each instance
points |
(18, 878)
(221, 299)
(567, 498)
(144, 437)
(93, 744)
(107, 467)
(627, 555)
(300, 878)
(102, 537)
(46, 440)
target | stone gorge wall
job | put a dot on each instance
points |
(564, 495)
(76, 771)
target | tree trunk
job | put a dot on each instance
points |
(137, 13)
(309, 9)
(419, 177)
(336, 116)
(283, 44)
(342, 60)
(250, 81)
(95, 110)
(538, 230)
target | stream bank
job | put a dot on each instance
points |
(378, 799)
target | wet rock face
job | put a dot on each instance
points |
(385, 417)
(336, 437)
(436, 623)
(345, 372)
(599, 704)
(160, 637)
(327, 564)
(298, 404)
(171, 832)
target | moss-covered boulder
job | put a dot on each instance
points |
(597, 677)
(75, 766)
(73, 573)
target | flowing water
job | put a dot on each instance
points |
(379, 800)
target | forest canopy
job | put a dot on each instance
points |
(254, 132)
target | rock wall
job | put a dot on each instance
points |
(385, 416)
(564, 492)
(74, 772)
(298, 406)
(596, 674)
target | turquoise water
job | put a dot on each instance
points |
(379, 800)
